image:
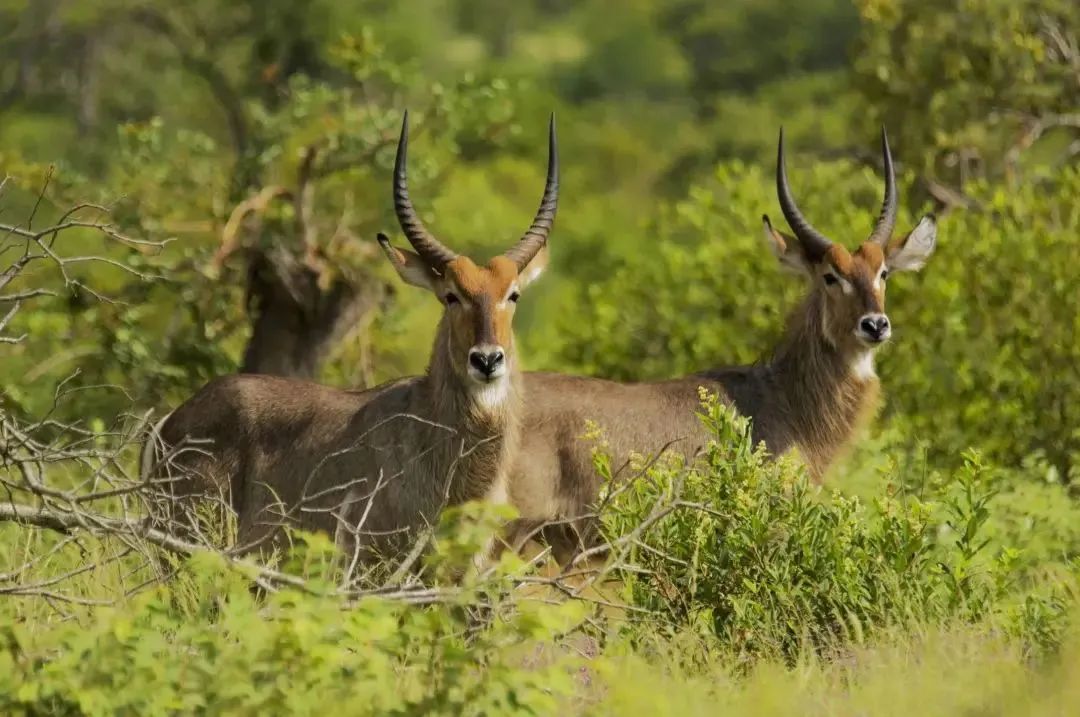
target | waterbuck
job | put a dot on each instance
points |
(369, 467)
(811, 394)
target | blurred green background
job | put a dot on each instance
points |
(257, 139)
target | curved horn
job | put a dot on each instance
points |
(813, 242)
(427, 246)
(886, 222)
(537, 235)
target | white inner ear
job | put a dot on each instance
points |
(534, 268)
(774, 243)
(793, 262)
(917, 247)
(411, 268)
(785, 254)
(417, 275)
(787, 251)
(532, 272)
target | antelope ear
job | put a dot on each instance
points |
(410, 267)
(786, 248)
(911, 252)
(534, 268)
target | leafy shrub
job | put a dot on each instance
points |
(1000, 365)
(747, 553)
(205, 644)
(961, 124)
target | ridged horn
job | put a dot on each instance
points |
(427, 246)
(813, 242)
(537, 235)
(886, 222)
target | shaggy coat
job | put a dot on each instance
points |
(365, 466)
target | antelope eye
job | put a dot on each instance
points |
(884, 274)
(451, 298)
(831, 279)
(515, 296)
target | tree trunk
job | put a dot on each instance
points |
(299, 315)
(86, 116)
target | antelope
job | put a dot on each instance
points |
(371, 466)
(811, 394)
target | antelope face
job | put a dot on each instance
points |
(852, 284)
(479, 301)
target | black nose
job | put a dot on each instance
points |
(486, 361)
(876, 326)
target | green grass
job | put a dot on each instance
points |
(947, 671)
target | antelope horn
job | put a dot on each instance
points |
(886, 222)
(813, 242)
(430, 249)
(537, 235)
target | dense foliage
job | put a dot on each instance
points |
(935, 570)
(741, 548)
(205, 644)
(1005, 76)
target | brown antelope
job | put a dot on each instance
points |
(811, 394)
(370, 466)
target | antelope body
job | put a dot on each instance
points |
(811, 394)
(370, 467)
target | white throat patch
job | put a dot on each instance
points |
(862, 367)
(492, 395)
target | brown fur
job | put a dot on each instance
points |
(283, 451)
(809, 395)
(484, 288)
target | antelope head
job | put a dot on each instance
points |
(478, 300)
(852, 283)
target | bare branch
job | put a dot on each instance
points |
(257, 206)
(304, 199)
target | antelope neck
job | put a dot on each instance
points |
(825, 392)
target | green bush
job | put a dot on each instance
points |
(961, 124)
(204, 644)
(743, 550)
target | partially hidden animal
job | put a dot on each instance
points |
(811, 393)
